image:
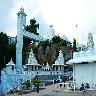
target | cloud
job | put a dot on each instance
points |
(5, 7)
(9, 17)
(63, 14)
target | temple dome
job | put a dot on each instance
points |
(10, 63)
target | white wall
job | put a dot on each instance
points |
(85, 73)
(94, 74)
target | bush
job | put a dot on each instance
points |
(36, 82)
(27, 83)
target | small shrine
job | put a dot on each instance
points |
(10, 66)
(59, 63)
(32, 62)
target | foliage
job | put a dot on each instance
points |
(7, 51)
(12, 52)
(36, 81)
(45, 44)
(64, 43)
(26, 41)
(74, 44)
(3, 49)
(56, 39)
(32, 27)
(27, 83)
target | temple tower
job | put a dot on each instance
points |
(90, 43)
(51, 33)
(21, 21)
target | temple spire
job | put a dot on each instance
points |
(32, 59)
(90, 43)
(51, 33)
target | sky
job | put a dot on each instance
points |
(64, 15)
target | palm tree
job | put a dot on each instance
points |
(36, 82)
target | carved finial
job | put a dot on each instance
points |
(51, 25)
(22, 9)
(10, 63)
(90, 43)
(31, 50)
(11, 60)
(60, 53)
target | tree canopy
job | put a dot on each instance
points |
(7, 51)
(32, 27)
(56, 39)
(74, 44)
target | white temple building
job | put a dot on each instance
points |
(50, 33)
(84, 65)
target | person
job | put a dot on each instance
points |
(37, 88)
(82, 87)
(64, 83)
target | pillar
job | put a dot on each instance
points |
(19, 46)
(55, 68)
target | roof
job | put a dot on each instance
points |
(58, 64)
(83, 56)
(81, 45)
(33, 64)
(10, 63)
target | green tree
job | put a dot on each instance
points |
(36, 82)
(12, 52)
(56, 39)
(74, 44)
(27, 84)
(7, 51)
(4, 47)
(26, 41)
(32, 27)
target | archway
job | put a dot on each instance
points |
(21, 22)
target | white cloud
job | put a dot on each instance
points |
(63, 14)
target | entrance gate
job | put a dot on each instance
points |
(21, 22)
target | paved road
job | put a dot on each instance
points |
(54, 90)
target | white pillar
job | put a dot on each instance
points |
(19, 46)
(37, 68)
(55, 68)
(34, 68)
(58, 68)
(92, 74)
(74, 76)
